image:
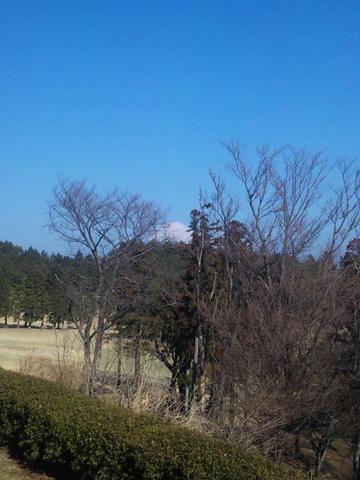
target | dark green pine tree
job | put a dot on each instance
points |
(5, 304)
(59, 272)
(35, 298)
(176, 315)
(9, 279)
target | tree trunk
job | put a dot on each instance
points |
(173, 380)
(319, 447)
(198, 361)
(217, 395)
(195, 365)
(202, 391)
(119, 354)
(87, 367)
(231, 409)
(186, 401)
(137, 363)
(95, 364)
(356, 457)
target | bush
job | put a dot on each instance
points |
(90, 439)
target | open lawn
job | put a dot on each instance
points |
(19, 344)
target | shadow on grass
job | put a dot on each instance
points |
(37, 470)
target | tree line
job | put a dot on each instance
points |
(29, 291)
(256, 318)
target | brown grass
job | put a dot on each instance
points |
(26, 348)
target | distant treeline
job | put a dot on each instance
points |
(29, 291)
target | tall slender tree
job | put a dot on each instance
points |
(105, 227)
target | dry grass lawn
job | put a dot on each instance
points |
(18, 345)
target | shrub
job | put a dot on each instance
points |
(94, 440)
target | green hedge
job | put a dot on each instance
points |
(89, 439)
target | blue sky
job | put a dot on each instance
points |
(137, 94)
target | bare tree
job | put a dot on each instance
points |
(343, 209)
(276, 325)
(282, 192)
(231, 247)
(348, 341)
(260, 196)
(298, 188)
(104, 227)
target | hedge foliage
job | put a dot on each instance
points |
(89, 439)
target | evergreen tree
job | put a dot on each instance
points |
(10, 278)
(36, 298)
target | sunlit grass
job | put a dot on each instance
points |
(64, 345)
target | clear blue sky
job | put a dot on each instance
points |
(136, 94)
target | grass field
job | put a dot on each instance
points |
(19, 344)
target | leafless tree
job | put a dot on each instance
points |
(260, 196)
(343, 209)
(104, 227)
(225, 209)
(232, 249)
(282, 192)
(275, 330)
(348, 342)
(298, 187)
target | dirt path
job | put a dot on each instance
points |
(10, 469)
